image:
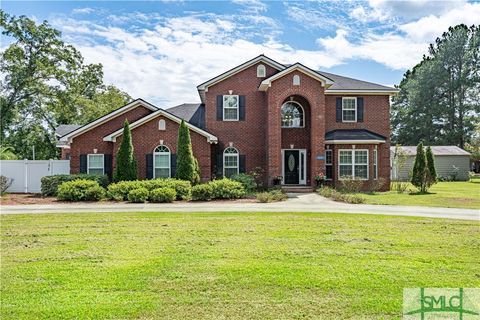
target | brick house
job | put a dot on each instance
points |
(291, 121)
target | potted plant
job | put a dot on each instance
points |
(277, 180)
(320, 178)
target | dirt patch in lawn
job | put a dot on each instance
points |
(36, 198)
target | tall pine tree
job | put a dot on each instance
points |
(185, 159)
(126, 168)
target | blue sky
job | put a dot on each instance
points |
(160, 50)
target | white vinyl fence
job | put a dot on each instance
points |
(26, 174)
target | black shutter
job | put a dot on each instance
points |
(219, 164)
(241, 108)
(219, 108)
(107, 165)
(83, 163)
(173, 165)
(339, 110)
(360, 109)
(241, 165)
(149, 165)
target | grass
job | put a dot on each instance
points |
(227, 265)
(443, 194)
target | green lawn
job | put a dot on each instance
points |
(443, 194)
(227, 265)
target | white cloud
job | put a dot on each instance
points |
(163, 59)
(83, 10)
(413, 9)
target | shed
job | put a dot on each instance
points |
(451, 162)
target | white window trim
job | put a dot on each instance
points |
(295, 77)
(262, 68)
(162, 127)
(356, 108)
(169, 160)
(88, 162)
(353, 164)
(329, 164)
(375, 164)
(303, 115)
(231, 155)
(237, 108)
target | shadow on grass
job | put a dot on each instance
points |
(419, 193)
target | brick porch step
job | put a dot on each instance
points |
(298, 189)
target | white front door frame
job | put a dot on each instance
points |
(302, 165)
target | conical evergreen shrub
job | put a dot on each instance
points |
(419, 174)
(126, 164)
(431, 171)
(185, 159)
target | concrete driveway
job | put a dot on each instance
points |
(310, 202)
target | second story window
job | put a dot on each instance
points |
(292, 115)
(349, 109)
(230, 108)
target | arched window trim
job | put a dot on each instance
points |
(296, 80)
(162, 124)
(303, 114)
(261, 71)
(162, 150)
(234, 153)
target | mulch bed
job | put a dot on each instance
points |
(36, 198)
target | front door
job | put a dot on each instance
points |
(291, 166)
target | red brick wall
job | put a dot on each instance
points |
(249, 136)
(146, 138)
(311, 91)
(93, 139)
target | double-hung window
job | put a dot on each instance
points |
(353, 164)
(349, 109)
(230, 107)
(161, 162)
(329, 164)
(95, 164)
(230, 162)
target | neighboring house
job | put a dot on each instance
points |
(450, 162)
(289, 120)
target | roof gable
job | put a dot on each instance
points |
(160, 112)
(267, 83)
(89, 126)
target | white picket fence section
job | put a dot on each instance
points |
(26, 174)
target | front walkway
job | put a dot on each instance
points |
(310, 202)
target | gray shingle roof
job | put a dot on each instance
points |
(63, 129)
(345, 83)
(352, 134)
(193, 113)
(437, 150)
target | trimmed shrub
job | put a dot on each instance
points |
(182, 188)
(350, 185)
(4, 184)
(271, 196)
(378, 184)
(419, 175)
(80, 190)
(431, 171)
(50, 184)
(119, 191)
(126, 168)
(185, 159)
(163, 195)
(139, 195)
(247, 181)
(196, 172)
(227, 189)
(202, 192)
(339, 196)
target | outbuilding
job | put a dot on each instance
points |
(451, 162)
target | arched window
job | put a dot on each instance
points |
(292, 115)
(261, 72)
(296, 80)
(161, 162)
(230, 162)
(161, 124)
